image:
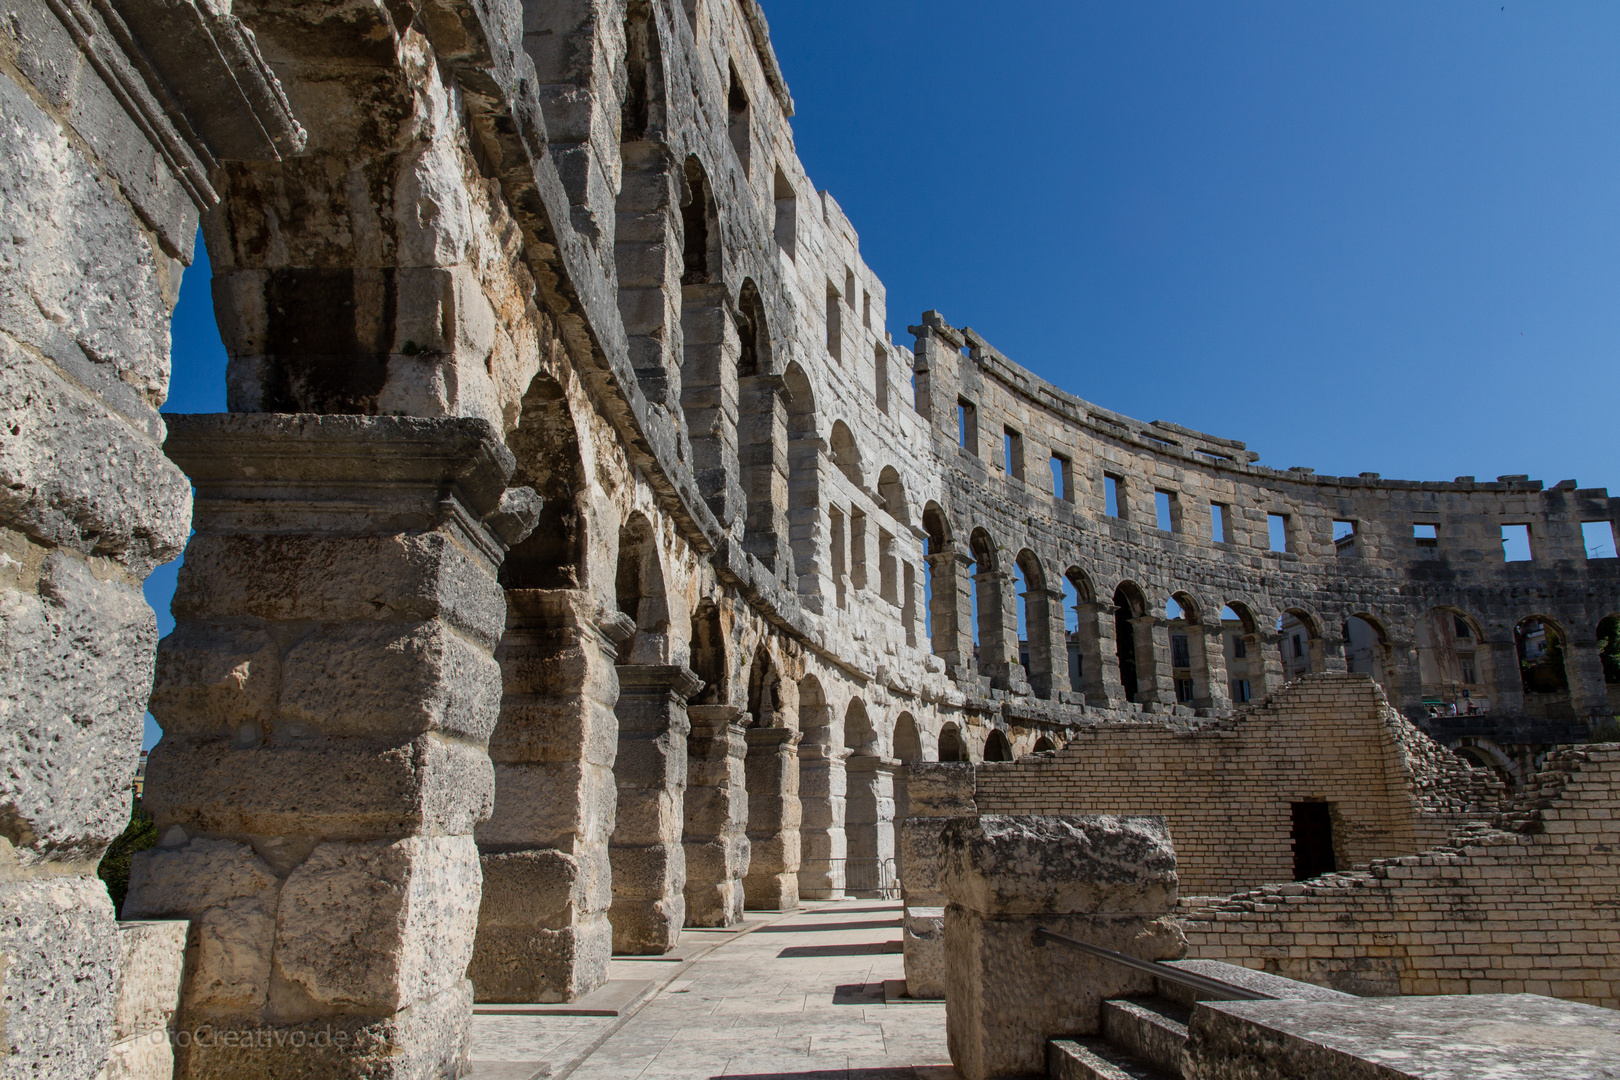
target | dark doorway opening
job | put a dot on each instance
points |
(1313, 840)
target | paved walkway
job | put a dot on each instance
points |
(785, 998)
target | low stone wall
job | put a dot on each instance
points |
(1226, 787)
(1526, 906)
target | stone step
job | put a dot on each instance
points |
(1152, 1029)
(1093, 1059)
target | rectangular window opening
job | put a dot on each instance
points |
(1277, 525)
(857, 548)
(787, 213)
(1180, 651)
(1220, 523)
(1013, 449)
(1597, 537)
(1426, 535)
(880, 384)
(1344, 537)
(739, 127)
(1062, 480)
(1113, 496)
(1516, 543)
(835, 323)
(866, 309)
(1184, 691)
(967, 426)
(1165, 504)
(1240, 690)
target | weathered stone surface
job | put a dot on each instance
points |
(1511, 1036)
(1107, 881)
(151, 956)
(923, 943)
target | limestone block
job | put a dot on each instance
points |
(350, 787)
(542, 930)
(212, 679)
(1105, 880)
(385, 679)
(58, 960)
(544, 804)
(923, 945)
(146, 1056)
(940, 789)
(377, 926)
(401, 577)
(75, 661)
(151, 960)
(229, 894)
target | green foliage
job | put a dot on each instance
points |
(1609, 649)
(138, 835)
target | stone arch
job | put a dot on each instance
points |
(846, 452)
(709, 660)
(1191, 662)
(754, 351)
(996, 746)
(907, 749)
(763, 465)
(1300, 642)
(1082, 636)
(1543, 648)
(1367, 649)
(803, 479)
(1243, 650)
(1458, 664)
(700, 227)
(1486, 754)
(951, 746)
(639, 588)
(988, 612)
(1044, 745)
(892, 495)
(869, 828)
(546, 447)
(1040, 659)
(764, 693)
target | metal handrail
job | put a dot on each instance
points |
(1201, 983)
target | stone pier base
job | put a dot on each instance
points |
(935, 793)
(716, 837)
(1108, 881)
(774, 817)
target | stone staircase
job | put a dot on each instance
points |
(1141, 1039)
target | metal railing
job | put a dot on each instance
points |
(1201, 984)
(872, 876)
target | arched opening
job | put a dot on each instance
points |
(907, 750)
(1129, 605)
(880, 382)
(641, 111)
(1542, 647)
(1188, 671)
(764, 696)
(754, 342)
(1608, 645)
(1044, 745)
(698, 220)
(548, 460)
(892, 495)
(869, 868)
(1455, 662)
(845, 453)
(996, 747)
(650, 194)
(639, 586)
(1035, 650)
(986, 608)
(708, 654)
(951, 746)
(1245, 660)
(764, 467)
(1366, 650)
(939, 584)
(803, 484)
(1300, 644)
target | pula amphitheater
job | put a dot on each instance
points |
(580, 560)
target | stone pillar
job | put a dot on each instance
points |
(823, 845)
(936, 792)
(948, 608)
(716, 815)
(763, 460)
(327, 698)
(1327, 653)
(708, 396)
(808, 539)
(107, 153)
(869, 826)
(1588, 691)
(1208, 645)
(1048, 647)
(646, 852)
(1108, 881)
(543, 929)
(1099, 651)
(1154, 680)
(1403, 677)
(774, 820)
(1265, 665)
(1508, 691)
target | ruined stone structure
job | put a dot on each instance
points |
(580, 558)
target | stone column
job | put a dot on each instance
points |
(1588, 691)
(716, 815)
(936, 792)
(1265, 665)
(646, 852)
(543, 929)
(1508, 691)
(1403, 677)
(774, 820)
(998, 630)
(327, 698)
(1108, 881)
(1048, 647)
(1099, 652)
(947, 608)
(869, 826)
(823, 845)
(1154, 680)
(1208, 644)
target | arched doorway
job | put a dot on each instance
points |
(996, 746)
(951, 746)
(869, 869)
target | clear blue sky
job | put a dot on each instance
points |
(1357, 235)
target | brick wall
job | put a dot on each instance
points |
(1227, 786)
(1530, 904)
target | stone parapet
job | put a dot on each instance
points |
(1108, 881)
